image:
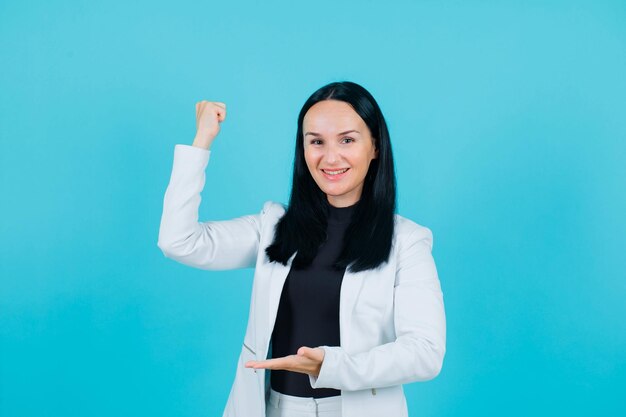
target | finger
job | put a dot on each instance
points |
(314, 354)
(308, 352)
(221, 113)
(269, 364)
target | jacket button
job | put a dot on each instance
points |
(373, 391)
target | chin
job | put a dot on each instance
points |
(333, 193)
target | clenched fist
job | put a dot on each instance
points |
(209, 115)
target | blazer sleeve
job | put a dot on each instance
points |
(420, 325)
(213, 245)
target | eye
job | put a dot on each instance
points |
(348, 139)
(313, 141)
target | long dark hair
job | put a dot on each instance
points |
(303, 226)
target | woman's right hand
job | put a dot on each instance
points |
(209, 115)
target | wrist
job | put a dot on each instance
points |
(201, 143)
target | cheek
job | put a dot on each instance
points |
(310, 158)
(360, 161)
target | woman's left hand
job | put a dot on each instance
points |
(307, 361)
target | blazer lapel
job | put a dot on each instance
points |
(278, 275)
(350, 289)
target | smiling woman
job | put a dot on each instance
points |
(340, 126)
(346, 303)
(337, 162)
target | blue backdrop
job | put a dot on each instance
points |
(509, 131)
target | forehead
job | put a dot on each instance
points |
(331, 116)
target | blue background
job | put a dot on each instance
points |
(509, 131)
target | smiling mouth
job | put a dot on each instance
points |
(335, 172)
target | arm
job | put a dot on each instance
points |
(419, 319)
(214, 245)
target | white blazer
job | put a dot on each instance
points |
(392, 319)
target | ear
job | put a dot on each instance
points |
(375, 147)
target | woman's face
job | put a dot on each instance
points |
(337, 139)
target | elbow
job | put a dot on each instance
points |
(165, 247)
(168, 239)
(436, 368)
(172, 250)
(429, 362)
(162, 241)
(435, 363)
(168, 245)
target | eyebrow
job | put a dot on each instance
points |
(339, 134)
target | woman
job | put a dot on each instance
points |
(346, 303)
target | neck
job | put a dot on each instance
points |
(340, 214)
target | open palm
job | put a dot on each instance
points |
(307, 361)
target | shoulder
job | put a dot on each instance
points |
(273, 210)
(408, 231)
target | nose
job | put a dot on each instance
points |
(331, 156)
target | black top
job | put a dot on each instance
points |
(308, 312)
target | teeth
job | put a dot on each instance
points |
(341, 171)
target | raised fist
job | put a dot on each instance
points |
(209, 115)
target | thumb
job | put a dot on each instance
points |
(304, 351)
(316, 354)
